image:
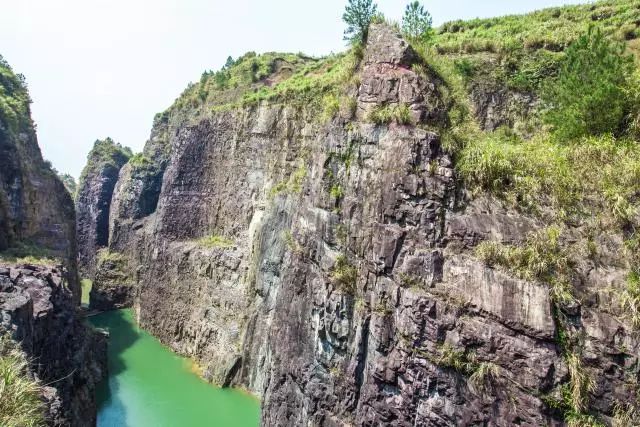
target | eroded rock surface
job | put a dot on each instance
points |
(37, 308)
(341, 283)
(93, 202)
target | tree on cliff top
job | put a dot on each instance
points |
(357, 15)
(416, 22)
(590, 94)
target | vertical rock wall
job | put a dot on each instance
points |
(93, 202)
(339, 280)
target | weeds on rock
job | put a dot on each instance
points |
(385, 114)
(541, 258)
(216, 241)
(344, 274)
(20, 395)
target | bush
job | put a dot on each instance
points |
(589, 97)
(20, 401)
(344, 274)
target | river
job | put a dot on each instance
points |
(149, 385)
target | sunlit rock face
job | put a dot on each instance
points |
(340, 281)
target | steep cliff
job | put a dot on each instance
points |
(66, 356)
(93, 201)
(349, 239)
(39, 297)
(36, 212)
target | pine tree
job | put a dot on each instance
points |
(416, 22)
(589, 96)
(357, 16)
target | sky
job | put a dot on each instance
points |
(98, 68)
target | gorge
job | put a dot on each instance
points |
(393, 235)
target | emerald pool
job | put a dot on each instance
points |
(148, 385)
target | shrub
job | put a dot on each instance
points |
(344, 274)
(358, 15)
(588, 96)
(459, 360)
(416, 22)
(20, 401)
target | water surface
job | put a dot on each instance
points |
(149, 385)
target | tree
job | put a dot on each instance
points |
(229, 63)
(590, 93)
(357, 15)
(416, 22)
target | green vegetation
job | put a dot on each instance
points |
(385, 114)
(459, 360)
(139, 160)
(69, 184)
(105, 153)
(344, 274)
(573, 397)
(630, 299)
(29, 253)
(595, 175)
(216, 241)
(105, 255)
(336, 191)
(293, 184)
(86, 285)
(20, 400)
(416, 22)
(484, 376)
(552, 29)
(14, 99)
(541, 258)
(358, 15)
(589, 96)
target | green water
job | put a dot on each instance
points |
(149, 385)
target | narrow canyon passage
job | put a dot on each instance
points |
(148, 385)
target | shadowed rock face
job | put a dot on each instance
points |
(37, 307)
(98, 180)
(346, 290)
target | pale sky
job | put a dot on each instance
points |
(98, 68)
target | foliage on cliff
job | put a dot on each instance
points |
(105, 153)
(14, 99)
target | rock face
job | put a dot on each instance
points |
(37, 303)
(97, 182)
(37, 307)
(113, 288)
(340, 282)
(36, 212)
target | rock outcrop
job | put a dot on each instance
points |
(329, 266)
(93, 201)
(36, 212)
(39, 301)
(37, 307)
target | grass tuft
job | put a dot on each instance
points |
(20, 395)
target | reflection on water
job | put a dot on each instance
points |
(149, 385)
